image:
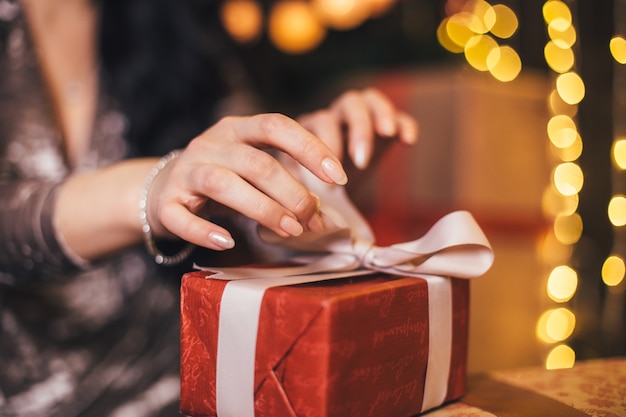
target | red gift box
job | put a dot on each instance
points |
(348, 347)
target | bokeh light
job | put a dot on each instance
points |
(504, 63)
(561, 357)
(506, 23)
(613, 271)
(294, 28)
(556, 325)
(617, 210)
(242, 19)
(445, 40)
(562, 36)
(562, 131)
(562, 283)
(559, 59)
(477, 50)
(572, 152)
(617, 45)
(568, 228)
(461, 27)
(619, 153)
(341, 14)
(568, 178)
(571, 87)
(557, 11)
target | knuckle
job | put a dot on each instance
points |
(270, 123)
(212, 178)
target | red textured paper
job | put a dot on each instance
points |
(351, 347)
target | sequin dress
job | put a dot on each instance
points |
(75, 339)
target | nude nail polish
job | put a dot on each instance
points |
(291, 226)
(334, 171)
(223, 241)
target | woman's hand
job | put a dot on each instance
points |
(227, 164)
(355, 119)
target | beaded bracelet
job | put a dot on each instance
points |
(159, 257)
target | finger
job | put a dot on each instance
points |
(382, 111)
(353, 111)
(325, 125)
(289, 136)
(181, 222)
(257, 202)
(274, 180)
(408, 128)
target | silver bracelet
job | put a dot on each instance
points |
(159, 257)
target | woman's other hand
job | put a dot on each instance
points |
(355, 119)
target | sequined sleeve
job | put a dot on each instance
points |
(29, 246)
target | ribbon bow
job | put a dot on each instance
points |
(454, 246)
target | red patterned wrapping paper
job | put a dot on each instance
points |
(351, 347)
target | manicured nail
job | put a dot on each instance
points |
(360, 157)
(316, 224)
(223, 241)
(334, 171)
(291, 226)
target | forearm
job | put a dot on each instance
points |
(97, 213)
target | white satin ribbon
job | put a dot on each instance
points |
(454, 246)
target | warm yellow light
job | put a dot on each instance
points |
(556, 9)
(562, 283)
(571, 87)
(617, 210)
(341, 14)
(294, 28)
(558, 106)
(553, 252)
(562, 131)
(561, 357)
(568, 178)
(559, 59)
(477, 49)
(242, 19)
(568, 228)
(572, 152)
(556, 325)
(504, 64)
(506, 23)
(619, 153)
(562, 33)
(462, 26)
(485, 14)
(613, 271)
(444, 39)
(617, 45)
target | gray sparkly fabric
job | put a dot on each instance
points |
(96, 340)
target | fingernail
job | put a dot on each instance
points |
(360, 158)
(334, 171)
(291, 226)
(316, 224)
(223, 241)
